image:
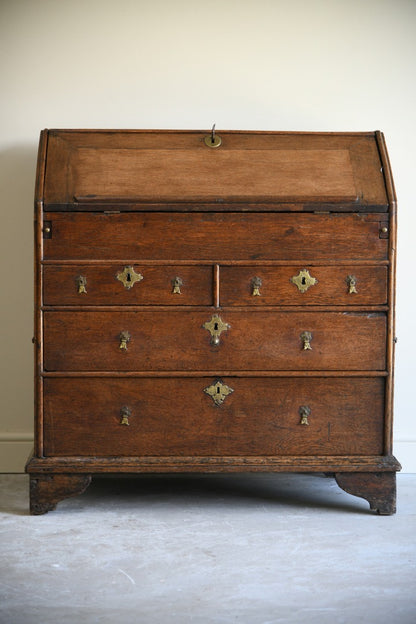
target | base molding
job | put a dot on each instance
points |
(100, 465)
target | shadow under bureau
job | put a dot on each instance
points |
(213, 303)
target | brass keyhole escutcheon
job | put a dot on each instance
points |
(216, 326)
(128, 277)
(303, 280)
(125, 414)
(304, 412)
(213, 140)
(218, 391)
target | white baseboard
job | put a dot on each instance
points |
(15, 449)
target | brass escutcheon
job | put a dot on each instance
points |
(303, 280)
(213, 140)
(256, 283)
(304, 412)
(124, 339)
(125, 414)
(215, 326)
(128, 277)
(176, 286)
(352, 283)
(306, 338)
(218, 391)
(81, 281)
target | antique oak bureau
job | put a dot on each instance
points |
(213, 303)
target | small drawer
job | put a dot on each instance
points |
(303, 285)
(127, 284)
(178, 417)
(185, 340)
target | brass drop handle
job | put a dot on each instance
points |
(352, 283)
(176, 286)
(304, 412)
(125, 414)
(306, 338)
(81, 282)
(215, 326)
(256, 284)
(124, 339)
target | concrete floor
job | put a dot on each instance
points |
(246, 549)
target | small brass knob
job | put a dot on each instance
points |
(306, 338)
(256, 283)
(352, 283)
(47, 230)
(125, 414)
(176, 286)
(124, 339)
(304, 412)
(81, 281)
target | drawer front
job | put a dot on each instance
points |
(127, 285)
(262, 416)
(181, 340)
(298, 285)
(229, 236)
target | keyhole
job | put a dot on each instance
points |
(128, 277)
(303, 281)
(218, 389)
(215, 326)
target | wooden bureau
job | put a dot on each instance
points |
(213, 303)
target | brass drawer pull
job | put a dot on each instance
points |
(303, 280)
(125, 414)
(306, 338)
(128, 277)
(218, 391)
(352, 283)
(256, 284)
(124, 339)
(215, 326)
(81, 281)
(176, 286)
(304, 412)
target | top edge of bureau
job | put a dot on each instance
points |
(145, 170)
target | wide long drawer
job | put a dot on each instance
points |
(258, 416)
(298, 237)
(191, 340)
